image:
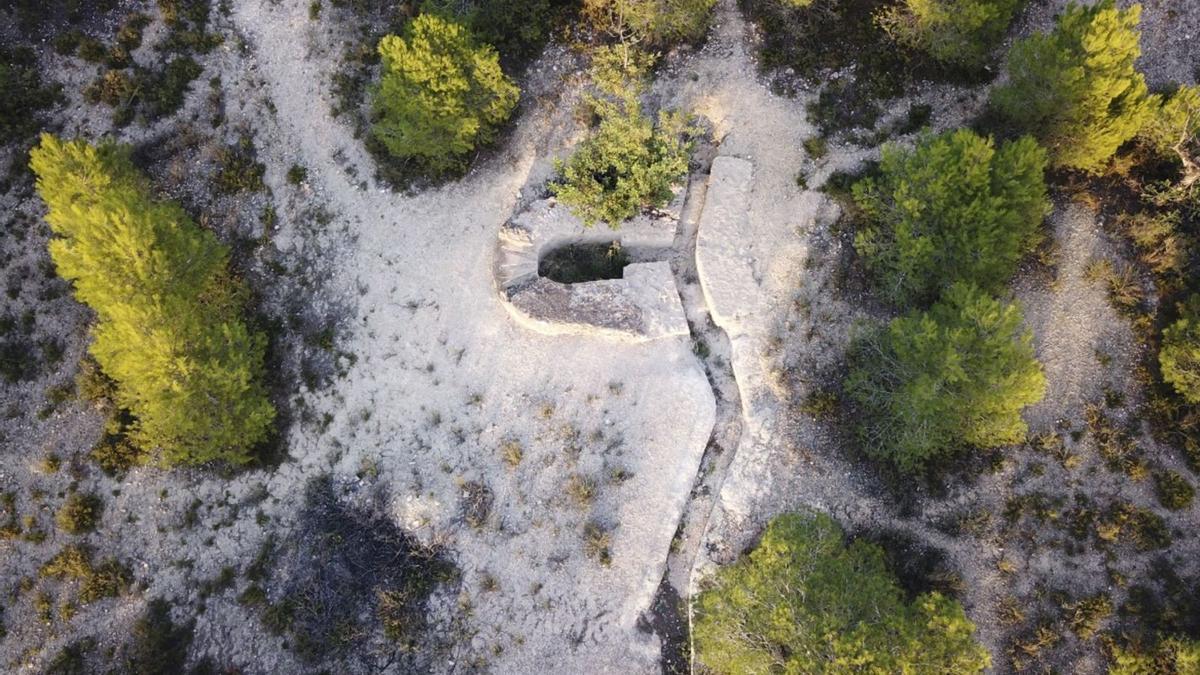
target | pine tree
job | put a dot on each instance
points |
(953, 209)
(954, 32)
(628, 164)
(441, 95)
(1179, 357)
(1076, 88)
(168, 326)
(958, 375)
(1174, 129)
(804, 601)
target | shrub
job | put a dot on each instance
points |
(653, 23)
(1179, 356)
(1076, 88)
(626, 165)
(1175, 129)
(1170, 656)
(932, 382)
(297, 174)
(518, 29)
(441, 95)
(955, 32)
(79, 513)
(21, 94)
(954, 208)
(803, 600)
(1086, 615)
(106, 580)
(239, 170)
(1174, 491)
(168, 328)
(164, 90)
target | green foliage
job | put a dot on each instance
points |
(804, 601)
(105, 580)
(168, 328)
(1170, 656)
(1174, 491)
(1176, 122)
(954, 32)
(958, 374)
(239, 169)
(79, 513)
(1175, 130)
(652, 23)
(955, 208)
(22, 94)
(518, 29)
(626, 165)
(1179, 356)
(297, 174)
(441, 94)
(1076, 88)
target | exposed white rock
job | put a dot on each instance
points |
(643, 305)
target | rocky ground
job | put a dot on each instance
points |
(577, 483)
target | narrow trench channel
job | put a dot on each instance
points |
(671, 611)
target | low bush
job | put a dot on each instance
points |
(22, 94)
(79, 514)
(1179, 356)
(804, 599)
(932, 383)
(1174, 491)
(238, 168)
(105, 580)
(1169, 656)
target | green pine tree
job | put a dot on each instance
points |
(1179, 356)
(441, 95)
(805, 601)
(953, 209)
(933, 382)
(626, 165)
(1076, 88)
(168, 326)
(955, 32)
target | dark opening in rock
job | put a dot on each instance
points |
(575, 263)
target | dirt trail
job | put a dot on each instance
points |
(445, 379)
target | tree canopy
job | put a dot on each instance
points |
(1076, 88)
(933, 382)
(955, 32)
(441, 94)
(955, 208)
(803, 601)
(627, 164)
(655, 24)
(1179, 357)
(168, 316)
